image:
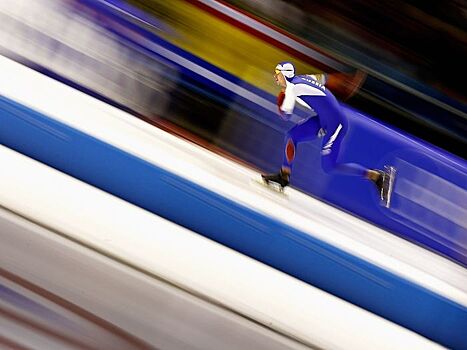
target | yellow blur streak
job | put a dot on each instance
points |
(221, 43)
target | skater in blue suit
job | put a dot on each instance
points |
(330, 124)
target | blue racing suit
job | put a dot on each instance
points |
(330, 121)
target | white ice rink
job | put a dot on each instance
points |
(128, 266)
(108, 225)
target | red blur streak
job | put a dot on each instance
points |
(295, 53)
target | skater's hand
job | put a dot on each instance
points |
(280, 100)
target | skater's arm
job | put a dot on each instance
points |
(280, 101)
(288, 104)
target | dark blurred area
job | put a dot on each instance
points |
(411, 53)
(424, 39)
(414, 53)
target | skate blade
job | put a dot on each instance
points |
(271, 186)
(386, 192)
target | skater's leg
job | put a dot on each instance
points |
(384, 182)
(330, 152)
(298, 134)
(383, 179)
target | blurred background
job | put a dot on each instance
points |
(411, 52)
(203, 70)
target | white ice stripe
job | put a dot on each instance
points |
(227, 178)
(273, 34)
(333, 137)
(305, 89)
(192, 262)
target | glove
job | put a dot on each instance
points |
(280, 100)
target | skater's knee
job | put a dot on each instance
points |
(290, 151)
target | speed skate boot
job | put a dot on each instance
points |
(281, 179)
(384, 182)
(378, 180)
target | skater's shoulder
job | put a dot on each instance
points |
(298, 79)
(308, 79)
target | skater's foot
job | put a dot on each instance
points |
(281, 178)
(377, 177)
(383, 181)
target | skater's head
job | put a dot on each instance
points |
(284, 71)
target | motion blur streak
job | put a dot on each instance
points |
(85, 267)
(124, 156)
(195, 294)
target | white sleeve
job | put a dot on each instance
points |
(289, 100)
